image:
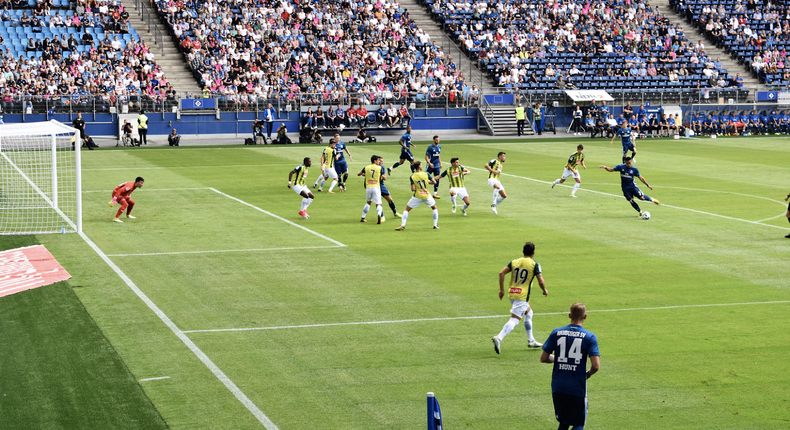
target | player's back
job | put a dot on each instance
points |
(420, 181)
(523, 271)
(124, 189)
(571, 345)
(329, 157)
(372, 176)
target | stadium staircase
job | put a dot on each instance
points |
(472, 75)
(499, 120)
(167, 55)
(694, 35)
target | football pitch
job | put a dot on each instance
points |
(221, 308)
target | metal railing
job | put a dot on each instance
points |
(486, 114)
(151, 21)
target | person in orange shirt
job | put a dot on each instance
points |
(351, 116)
(123, 194)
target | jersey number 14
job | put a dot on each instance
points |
(574, 353)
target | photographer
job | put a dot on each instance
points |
(282, 135)
(257, 131)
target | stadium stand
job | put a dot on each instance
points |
(754, 32)
(552, 46)
(77, 57)
(328, 53)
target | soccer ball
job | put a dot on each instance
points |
(342, 127)
(645, 215)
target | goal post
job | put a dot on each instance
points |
(40, 178)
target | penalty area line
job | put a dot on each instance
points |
(229, 384)
(222, 250)
(278, 217)
(662, 204)
(651, 308)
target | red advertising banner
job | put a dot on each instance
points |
(27, 268)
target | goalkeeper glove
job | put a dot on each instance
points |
(113, 201)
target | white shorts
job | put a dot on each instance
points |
(299, 188)
(373, 195)
(330, 172)
(460, 192)
(414, 202)
(493, 182)
(520, 308)
(567, 173)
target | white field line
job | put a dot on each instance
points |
(189, 167)
(278, 217)
(481, 317)
(773, 217)
(143, 190)
(262, 418)
(154, 379)
(223, 250)
(662, 204)
(702, 189)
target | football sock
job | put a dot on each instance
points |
(575, 187)
(466, 206)
(648, 199)
(308, 204)
(118, 214)
(323, 181)
(412, 167)
(499, 200)
(435, 217)
(509, 326)
(305, 201)
(392, 206)
(436, 187)
(379, 210)
(528, 325)
(452, 199)
(345, 178)
(624, 159)
(405, 217)
(636, 206)
(332, 187)
(395, 165)
(496, 194)
(365, 211)
(557, 181)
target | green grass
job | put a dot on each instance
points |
(666, 363)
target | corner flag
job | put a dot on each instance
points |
(434, 413)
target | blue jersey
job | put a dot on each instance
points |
(571, 345)
(433, 152)
(627, 175)
(406, 142)
(633, 122)
(339, 148)
(384, 190)
(624, 133)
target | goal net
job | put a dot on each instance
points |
(39, 178)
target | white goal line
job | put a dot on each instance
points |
(589, 311)
(662, 204)
(223, 250)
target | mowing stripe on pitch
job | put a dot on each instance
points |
(277, 216)
(649, 308)
(154, 379)
(222, 250)
(262, 418)
(662, 204)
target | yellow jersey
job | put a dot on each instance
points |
(456, 176)
(496, 166)
(420, 181)
(575, 159)
(523, 271)
(301, 174)
(329, 157)
(372, 176)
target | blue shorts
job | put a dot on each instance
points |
(435, 171)
(569, 409)
(341, 167)
(384, 190)
(406, 155)
(629, 147)
(631, 192)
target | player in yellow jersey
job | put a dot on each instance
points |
(419, 186)
(523, 271)
(456, 174)
(373, 176)
(572, 169)
(494, 168)
(328, 158)
(300, 187)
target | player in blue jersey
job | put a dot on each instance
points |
(568, 349)
(624, 133)
(633, 122)
(405, 151)
(341, 167)
(385, 193)
(630, 190)
(696, 123)
(434, 160)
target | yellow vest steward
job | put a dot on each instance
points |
(520, 114)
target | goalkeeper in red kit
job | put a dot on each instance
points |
(123, 194)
